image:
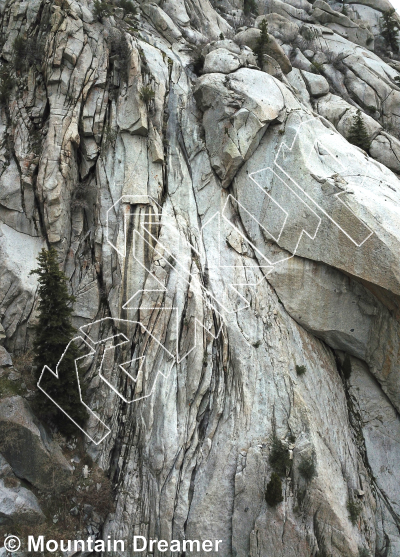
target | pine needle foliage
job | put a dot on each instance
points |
(358, 134)
(19, 52)
(263, 40)
(120, 51)
(102, 9)
(250, 7)
(53, 332)
(27, 52)
(307, 468)
(354, 510)
(128, 7)
(273, 494)
(6, 85)
(279, 457)
(390, 30)
(301, 370)
(147, 94)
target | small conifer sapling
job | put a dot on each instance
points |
(262, 42)
(358, 134)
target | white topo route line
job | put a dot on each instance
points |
(275, 212)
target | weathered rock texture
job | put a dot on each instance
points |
(221, 221)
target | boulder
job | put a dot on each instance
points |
(295, 13)
(5, 469)
(31, 453)
(344, 125)
(316, 84)
(355, 232)
(345, 323)
(300, 5)
(247, 57)
(296, 80)
(250, 37)
(300, 62)
(369, 80)
(332, 107)
(309, 54)
(374, 74)
(386, 149)
(343, 313)
(320, 58)
(357, 33)
(5, 358)
(221, 61)
(271, 66)
(236, 114)
(372, 16)
(19, 507)
(323, 13)
(380, 5)
(226, 44)
(208, 21)
(280, 27)
(162, 22)
(274, 49)
(177, 11)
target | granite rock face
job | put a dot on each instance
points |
(32, 455)
(235, 261)
(19, 507)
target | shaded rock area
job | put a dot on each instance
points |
(32, 455)
(18, 505)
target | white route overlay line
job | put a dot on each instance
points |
(142, 358)
(312, 237)
(284, 146)
(218, 216)
(189, 277)
(55, 374)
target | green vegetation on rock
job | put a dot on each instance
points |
(53, 332)
(300, 370)
(273, 494)
(279, 457)
(358, 134)
(307, 468)
(250, 7)
(390, 30)
(354, 510)
(262, 42)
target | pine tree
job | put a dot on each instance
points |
(358, 134)
(53, 332)
(249, 7)
(262, 42)
(390, 30)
